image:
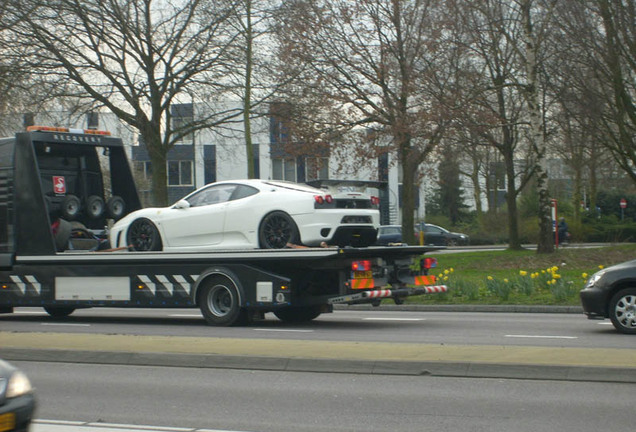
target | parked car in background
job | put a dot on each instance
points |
(246, 214)
(611, 293)
(436, 235)
(388, 234)
(17, 402)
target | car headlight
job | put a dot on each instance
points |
(18, 385)
(594, 279)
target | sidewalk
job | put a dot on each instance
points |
(572, 364)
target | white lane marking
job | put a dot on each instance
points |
(65, 324)
(394, 319)
(283, 330)
(541, 337)
(62, 422)
(140, 427)
(42, 425)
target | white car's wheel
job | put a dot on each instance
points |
(277, 230)
(143, 236)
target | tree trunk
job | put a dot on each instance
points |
(247, 102)
(546, 241)
(409, 168)
(158, 156)
(511, 201)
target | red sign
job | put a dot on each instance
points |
(623, 203)
(59, 185)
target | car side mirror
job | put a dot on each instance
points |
(182, 204)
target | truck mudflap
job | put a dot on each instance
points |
(373, 296)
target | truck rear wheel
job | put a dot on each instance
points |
(298, 314)
(59, 311)
(220, 302)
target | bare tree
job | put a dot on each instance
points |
(374, 63)
(135, 58)
(603, 73)
(492, 103)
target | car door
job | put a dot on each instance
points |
(200, 223)
(434, 235)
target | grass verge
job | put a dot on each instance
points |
(520, 277)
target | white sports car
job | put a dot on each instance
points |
(240, 214)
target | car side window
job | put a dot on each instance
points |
(212, 195)
(434, 230)
(243, 191)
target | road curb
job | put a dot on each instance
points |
(291, 364)
(466, 308)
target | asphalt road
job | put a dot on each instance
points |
(508, 345)
(104, 398)
(570, 330)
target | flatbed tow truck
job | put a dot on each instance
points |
(55, 178)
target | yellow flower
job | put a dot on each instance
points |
(445, 278)
(542, 271)
(555, 269)
(523, 272)
(584, 275)
(506, 280)
(452, 269)
(446, 272)
(533, 275)
(440, 276)
(489, 277)
(553, 281)
(556, 276)
(601, 267)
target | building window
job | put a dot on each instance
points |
(182, 116)
(180, 173)
(143, 169)
(284, 169)
(316, 168)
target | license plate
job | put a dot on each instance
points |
(7, 422)
(368, 274)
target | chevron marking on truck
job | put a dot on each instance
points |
(362, 283)
(31, 281)
(425, 280)
(166, 283)
(155, 282)
(184, 283)
(149, 283)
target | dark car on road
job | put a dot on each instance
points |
(436, 235)
(17, 401)
(388, 234)
(611, 293)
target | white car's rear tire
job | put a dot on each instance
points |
(277, 230)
